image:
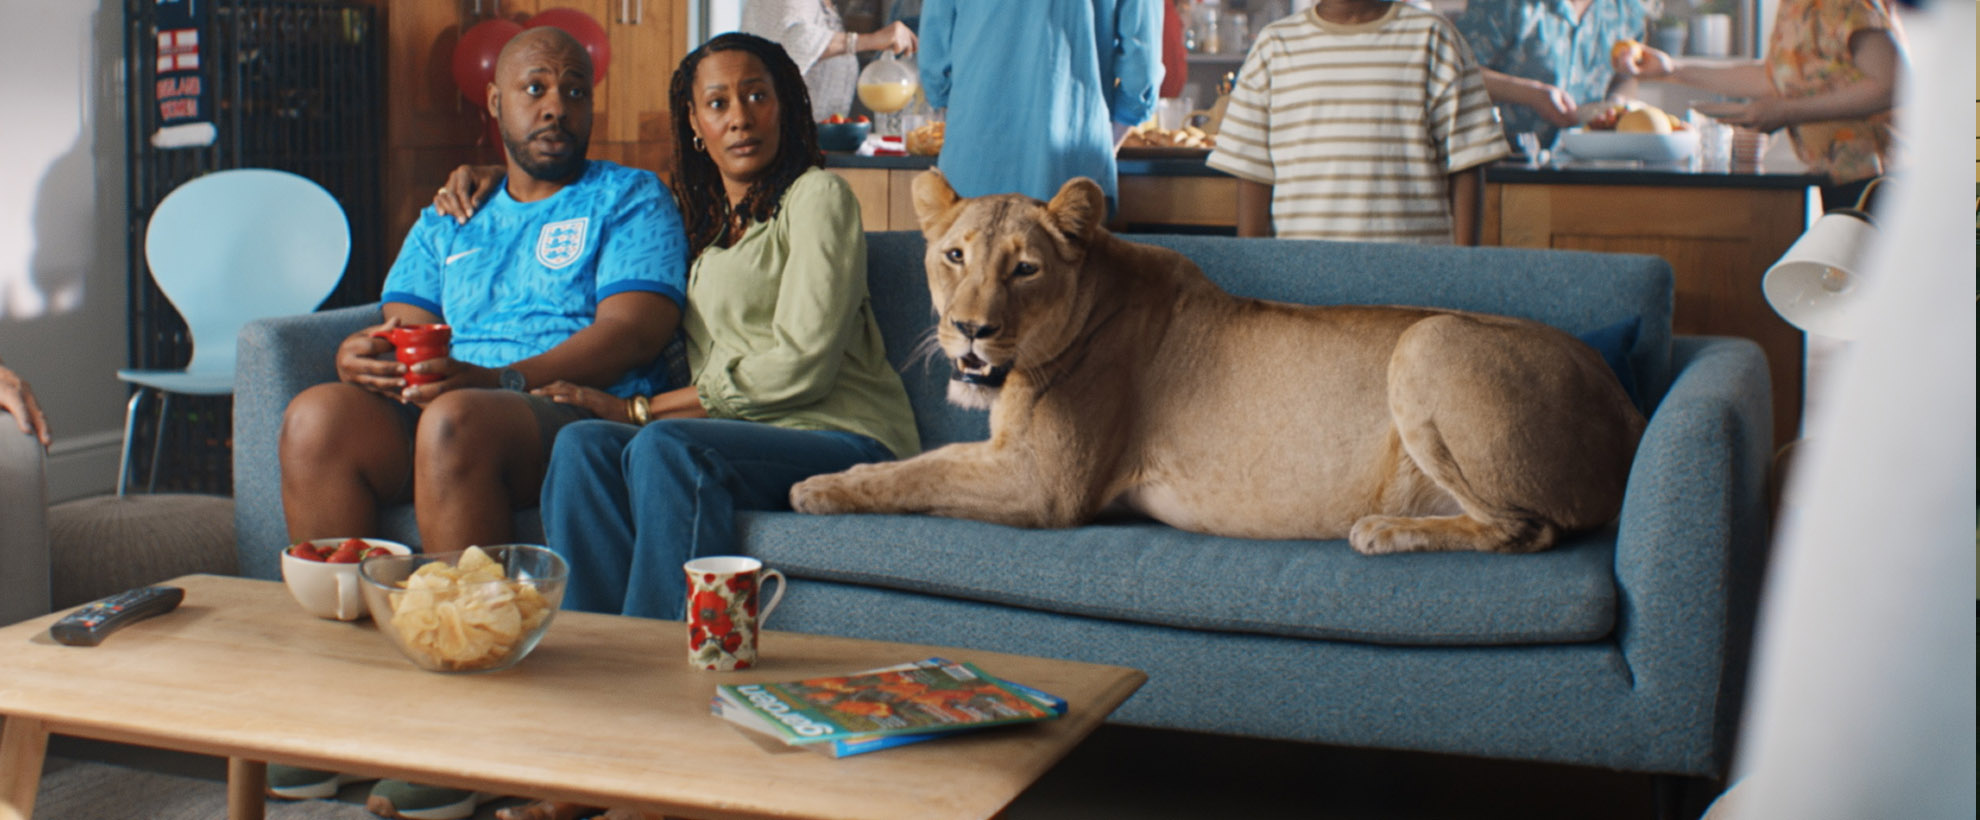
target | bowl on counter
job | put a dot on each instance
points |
(1586, 144)
(843, 136)
(477, 610)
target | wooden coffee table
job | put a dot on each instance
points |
(606, 712)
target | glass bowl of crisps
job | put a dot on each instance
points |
(478, 610)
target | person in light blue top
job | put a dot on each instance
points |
(1031, 87)
(522, 277)
(1545, 59)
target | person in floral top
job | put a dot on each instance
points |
(1544, 59)
(1829, 77)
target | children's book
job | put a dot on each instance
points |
(882, 708)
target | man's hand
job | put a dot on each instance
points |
(366, 361)
(1553, 104)
(454, 375)
(467, 189)
(18, 399)
(602, 404)
(1763, 114)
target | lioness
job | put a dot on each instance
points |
(1118, 373)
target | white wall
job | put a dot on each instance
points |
(62, 251)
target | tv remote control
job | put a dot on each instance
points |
(89, 625)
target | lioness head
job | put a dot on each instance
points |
(1004, 274)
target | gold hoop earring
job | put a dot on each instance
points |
(697, 143)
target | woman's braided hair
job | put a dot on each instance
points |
(698, 183)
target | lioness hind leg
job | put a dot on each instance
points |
(1384, 534)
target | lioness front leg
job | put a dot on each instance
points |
(970, 480)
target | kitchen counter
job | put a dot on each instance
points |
(1719, 229)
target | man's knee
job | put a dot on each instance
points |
(476, 427)
(321, 418)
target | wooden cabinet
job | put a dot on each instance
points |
(886, 197)
(1719, 242)
(432, 127)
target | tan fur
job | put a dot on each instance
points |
(1137, 381)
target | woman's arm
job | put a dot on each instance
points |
(1733, 78)
(816, 313)
(1873, 52)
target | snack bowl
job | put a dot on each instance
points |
(329, 590)
(1648, 147)
(481, 609)
(842, 136)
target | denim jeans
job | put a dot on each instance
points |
(626, 506)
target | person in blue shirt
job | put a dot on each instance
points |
(1544, 59)
(575, 271)
(1031, 87)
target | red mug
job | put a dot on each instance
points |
(417, 343)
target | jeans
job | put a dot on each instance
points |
(626, 506)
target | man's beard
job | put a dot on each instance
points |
(563, 169)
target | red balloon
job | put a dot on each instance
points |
(474, 56)
(587, 31)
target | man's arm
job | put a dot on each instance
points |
(630, 330)
(1552, 103)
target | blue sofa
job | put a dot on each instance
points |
(1622, 648)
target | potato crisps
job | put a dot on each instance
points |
(465, 616)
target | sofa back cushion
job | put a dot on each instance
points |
(1580, 292)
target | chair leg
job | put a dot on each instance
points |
(130, 430)
(158, 439)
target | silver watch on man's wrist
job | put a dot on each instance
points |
(512, 379)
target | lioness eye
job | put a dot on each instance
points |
(954, 255)
(1023, 269)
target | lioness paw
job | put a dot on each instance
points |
(821, 495)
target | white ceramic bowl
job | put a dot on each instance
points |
(1586, 144)
(329, 590)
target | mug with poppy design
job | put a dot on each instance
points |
(722, 615)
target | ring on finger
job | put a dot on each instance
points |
(441, 192)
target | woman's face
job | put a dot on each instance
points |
(736, 116)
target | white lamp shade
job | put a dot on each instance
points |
(1819, 285)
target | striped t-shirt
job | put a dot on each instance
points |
(1357, 127)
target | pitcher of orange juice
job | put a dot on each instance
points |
(887, 85)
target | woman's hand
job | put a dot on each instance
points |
(1643, 62)
(467, 188)
(365, 360)
(17, 398)
(600, 403)
(895, 37)
(1763, 114)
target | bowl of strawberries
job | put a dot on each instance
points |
(322, 574)
(839, 133)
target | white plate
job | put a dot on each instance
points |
(1588, 144)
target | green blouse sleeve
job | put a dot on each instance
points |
(795, 362)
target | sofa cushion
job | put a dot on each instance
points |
(1147, 572)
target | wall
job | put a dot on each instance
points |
(62, 245)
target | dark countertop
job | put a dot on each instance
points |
(1579, 172)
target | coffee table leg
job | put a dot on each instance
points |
(247, 789)
(23, 745)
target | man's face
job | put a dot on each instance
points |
(541, 98)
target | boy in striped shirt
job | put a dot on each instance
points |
(1362, 120)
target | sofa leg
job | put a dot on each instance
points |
(1682, 797)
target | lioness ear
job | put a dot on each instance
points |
(934, 202)
(1077, 209)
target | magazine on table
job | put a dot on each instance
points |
(882, 708)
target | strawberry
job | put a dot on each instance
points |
(861, 118)
(835, 119)
(347, 552)
(306, 551)
(375, 552)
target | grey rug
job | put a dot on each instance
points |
(82, 790)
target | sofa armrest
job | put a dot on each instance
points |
(1693, 536)
(24, 589)
(279, 358)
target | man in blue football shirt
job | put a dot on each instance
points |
(575, 271)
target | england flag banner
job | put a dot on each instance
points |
(179, 87)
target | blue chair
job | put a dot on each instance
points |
(229, 248)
